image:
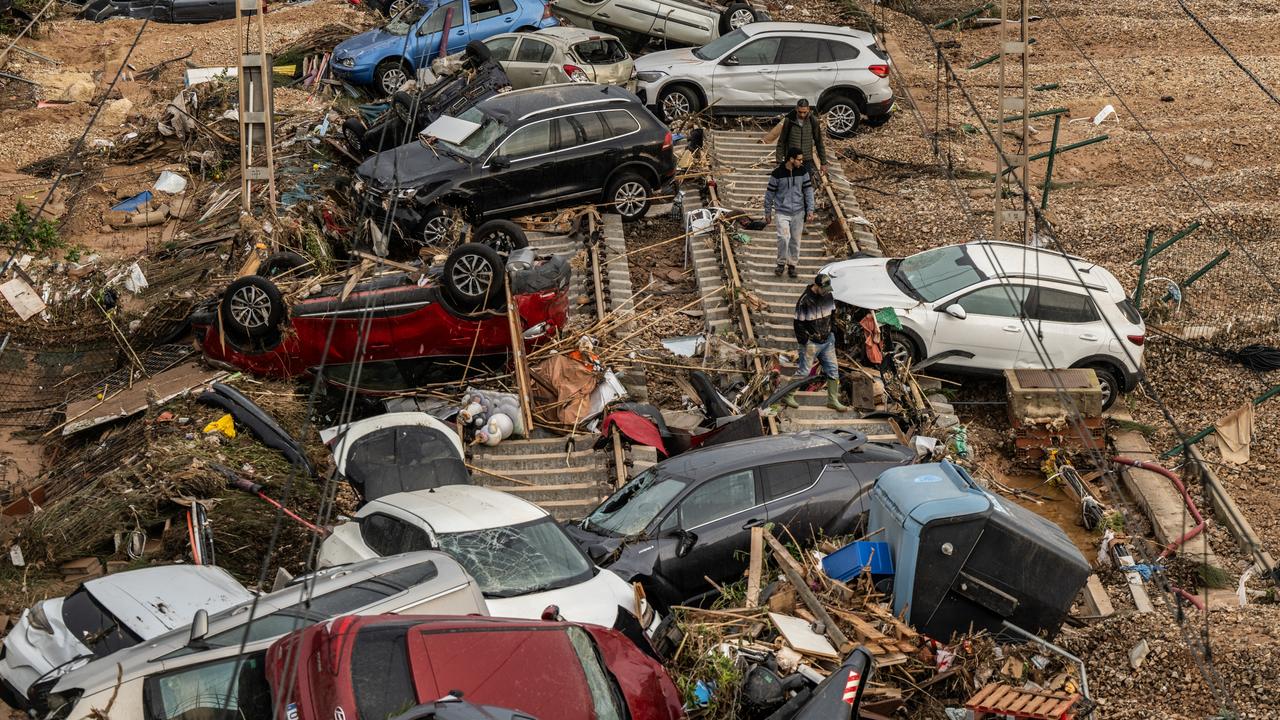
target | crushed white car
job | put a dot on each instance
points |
(396, 452)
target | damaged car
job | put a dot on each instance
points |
(102, 616)
(684, 525)
(639, 22)
(462, 82)
(987, 299)
(171, 676)
(520, 556)
(395, 324)
(371, 668)
(525, 151)
(563, 54)
(170, 11)
(397, 452)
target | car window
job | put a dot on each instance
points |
(1129, 311)
(387, 535)
(590, 127)
(620, 122)
(500, 48)
(407, 577)
(1052, 305)
(799, 51)
(528, 141)
(412, 13)
(633, 506)
(723, 496)
(760, 52)
(485, 9)
(94, 626)
(840, 51)
(380, 673)
(604, 698)
(477, 142)
(229, 689)
(998, 300)
(786, 478)
(721, 45)
(519, 559)
(534, 51)
(435, 23)
(344, 600)
(936, 273)
(603, 51)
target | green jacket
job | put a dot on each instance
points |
(806, 136)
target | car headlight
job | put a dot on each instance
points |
(407, 194)
(38, 619)
(650, 76)
(347, 62)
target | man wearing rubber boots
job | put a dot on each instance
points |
(813, 326)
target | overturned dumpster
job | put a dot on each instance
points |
(966, 560)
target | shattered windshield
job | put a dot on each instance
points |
(937, 273)
(400, 24)
(630, 510)
(519, 559)
(478, 142)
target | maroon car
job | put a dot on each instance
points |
(386, 325)
(374, 667)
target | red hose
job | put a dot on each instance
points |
(1191, 505)
(1188, 597)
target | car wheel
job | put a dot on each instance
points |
(841, 116)
(902, 349)
(252, 307)
(479, 52)
(629, 196)
(390, 75)
(1109, 383)
(735, 16)
(437, 229)
(501, 235)
(353, 132)
(394, 7)
(474, 275)
(679, 102)
(280, 263)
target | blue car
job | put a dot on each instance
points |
(386, 57)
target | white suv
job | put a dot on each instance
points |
(984, 298)
(764, 67)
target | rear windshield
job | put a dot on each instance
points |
(403, 458)
(94, 626)
(1129, 311)
(604, 51)
(380, 672)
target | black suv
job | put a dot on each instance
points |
(518, 153)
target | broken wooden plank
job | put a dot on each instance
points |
(797, 634)
(1136, 586)
(756, 566)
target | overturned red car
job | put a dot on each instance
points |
(388, 324)
(374, 667)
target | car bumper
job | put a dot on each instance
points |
(358, 75)
(879, 109)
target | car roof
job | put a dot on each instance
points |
(519, 104)
(460, 508)
(570, 34)
(759, 28)
(154, 600)
(727, 457)
(1015, 260)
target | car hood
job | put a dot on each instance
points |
(667, 59)
(865, 283)
(30, 653)
(365, 42)
(595, 601)
(409, 166)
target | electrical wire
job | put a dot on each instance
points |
(1205, 29)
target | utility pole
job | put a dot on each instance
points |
(1013, 156)
(257, 161)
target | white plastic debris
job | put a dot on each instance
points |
(1103, 114)
(135, 282)
(171, 182)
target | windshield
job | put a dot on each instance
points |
(630, 510)
(94, 626)
(936, 273)
(518, 559)
(401, 459)
(719, 46)
(478, 142)
(400, 24)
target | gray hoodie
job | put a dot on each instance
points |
(789, 191)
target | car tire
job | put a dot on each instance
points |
(902, 348)
(436, 229)
(389, 76)
(503, 236)
(735, 16)
(474, 277)
(1110, 384)
(391, 8)
(252, 307)
(629, 195)
(478, 52)
(279, 263)
(353, 133)
(841, 115)
(678, 102)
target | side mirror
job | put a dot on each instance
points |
(687, 541)
(499, 162)
(199, 627)
(955, 311)
(731, 60)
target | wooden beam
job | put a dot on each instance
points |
(756, 566)
(793, 573)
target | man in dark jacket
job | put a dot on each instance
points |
(789, 195)
(813, 325)
(799, 128)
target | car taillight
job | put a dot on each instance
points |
(546, 11)
(666, 141)
(337, 640)
(576, 74)
(879, 70)
(1137, 339)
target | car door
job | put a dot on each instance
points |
(427, 36)
(233, 686)
(487, 18)
(528, 64)
(789, 496)
(637, 16)
(501, 47)
(682, 23)
(1068, 325)
(992, 329)
(805, 69)
(592, 156)
(717, 518)
(745, 77)
(518, 174)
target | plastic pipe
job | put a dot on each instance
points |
(1186, 498)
